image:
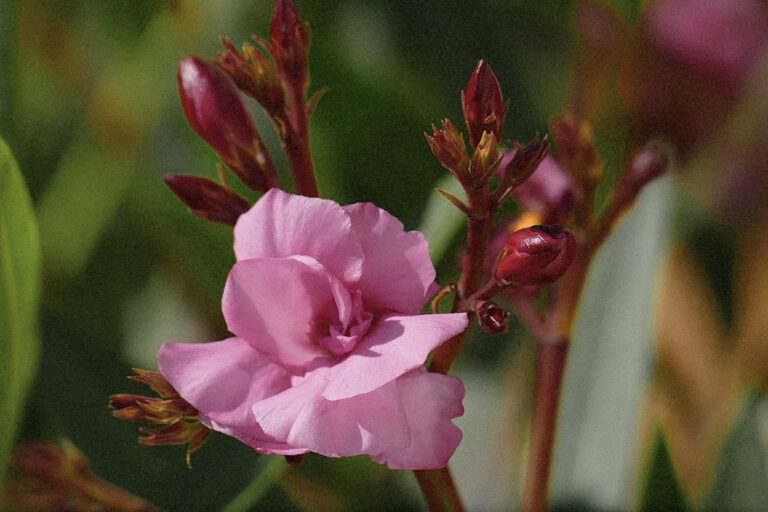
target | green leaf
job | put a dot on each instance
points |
(19, 299)
(662, 489)
(442, 220)
(741, 481)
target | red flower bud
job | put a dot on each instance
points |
(207, 199)
(536, 255)
(214, 108)
(290, 42)
(484, 109)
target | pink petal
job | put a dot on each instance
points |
(397, 271)
(281, 225)
(405, 423)
(393, 346)
(429, 401)
(283, 306)
(222, 380)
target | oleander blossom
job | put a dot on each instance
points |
(329, 344)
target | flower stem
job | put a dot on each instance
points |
(550, 370)
(296, 143)
(439, 490)
(269, 474)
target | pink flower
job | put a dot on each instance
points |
(328, 347)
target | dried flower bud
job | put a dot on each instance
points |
(576, 148)
(290, 43)
(536, 255)
(449, 148)
(491, 317)
(255, 74)
(207, 199)
(484, 109)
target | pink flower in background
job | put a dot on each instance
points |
(328, 347)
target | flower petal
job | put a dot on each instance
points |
(397, 270)
(429, 401)
(222, 380)
(281, 225)
(394, 346)
(283, 306)
(405, 423)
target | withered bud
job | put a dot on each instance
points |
(524, 162)
(254, 74)
(537, 255)
(207, 199)
(447, 144)
(492, 317)
(484, 109)
(487, 156)
(576, 148)
(290, 43)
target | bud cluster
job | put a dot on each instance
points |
(275, 74)
(177, 419)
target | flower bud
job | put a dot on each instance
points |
(537, 255)
(290, 42)
(645, 165)
(214, 108)
(449, 148)
(207, 199)
(484, 109)
(492, 318)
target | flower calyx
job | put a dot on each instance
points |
(448, 146)
(177, 419)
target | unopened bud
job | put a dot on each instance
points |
(290, 42)
(217, 113)
(537, 255)
(449, 148)
(492, 317)
(214, 107)
(523, 162)
(484, 109)
(576, 148)
(207, 199)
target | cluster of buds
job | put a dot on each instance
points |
(50, 476)
(275, 75)
(176, 420)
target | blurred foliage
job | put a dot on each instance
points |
(88, 105)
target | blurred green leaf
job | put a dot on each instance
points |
(442, 221)
(742, 477)
(607, 374)
(269, 474)
(19, 299)
(662, 488)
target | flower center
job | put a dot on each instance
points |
(344, 334)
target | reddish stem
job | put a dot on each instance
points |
(549, 379)
(439, 490)
(296, 143)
